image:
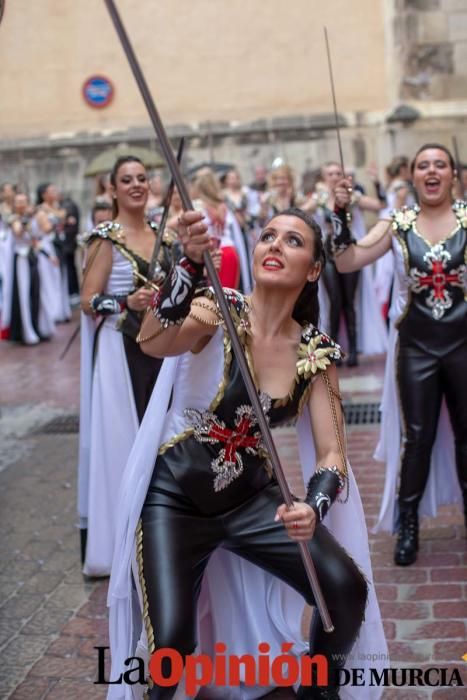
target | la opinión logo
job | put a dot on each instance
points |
(223, 670)
(281, 671)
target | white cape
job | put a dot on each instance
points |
(250, 605)
(108, 426)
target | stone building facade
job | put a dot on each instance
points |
(244, 80)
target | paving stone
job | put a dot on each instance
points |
(449, 651)
(8, 629)
(10, 680)
(42, 582)
(21, 606)
(451, 629)
(41, 525)
(55, 667)
(433, 592)
(32, 688)
(68, 596)
(47, 621)
(8, 587)
(451, 573)
(24, 650)
(455, 609)
(409, 652)
(66, 646)
(65, 689)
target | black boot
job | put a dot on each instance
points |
(83, 536)
(406, 550)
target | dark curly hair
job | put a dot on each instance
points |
(306, 309)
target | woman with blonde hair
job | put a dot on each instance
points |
(224, 229)
(282, 187)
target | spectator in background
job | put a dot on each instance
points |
(7, 195)
(156, 198)
(260, 181)
(282, 188)
(71, 231)
(223, 226)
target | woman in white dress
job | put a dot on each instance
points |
(116, 377)
(48, 226)
(29, 317)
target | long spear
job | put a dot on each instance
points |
(236, 345)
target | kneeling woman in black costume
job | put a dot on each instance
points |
(211, 488)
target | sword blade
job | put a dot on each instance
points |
(70, 341)
(334, 101)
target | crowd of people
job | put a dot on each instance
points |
(175, 487)
(41, 254)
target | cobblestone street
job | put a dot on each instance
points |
(51, 618)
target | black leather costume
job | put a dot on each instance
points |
(341, 288)
(214, 487)
(432, 356)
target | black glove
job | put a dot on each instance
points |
(172, 303)
(341, 234)
(323, 488)
(107, 304)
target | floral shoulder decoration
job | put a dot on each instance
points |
(460, 210)
(316, 353)
(403, 219)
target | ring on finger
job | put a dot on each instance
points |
(295, 525)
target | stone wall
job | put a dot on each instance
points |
(305, 143)
(431, 42)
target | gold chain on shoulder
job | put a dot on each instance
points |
(208, 307)
(205, 321)
(331, 394)
(159, 331)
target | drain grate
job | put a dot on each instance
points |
(362, 413)
(355, 414)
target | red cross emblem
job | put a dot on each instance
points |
(209, 428)
(439, 298)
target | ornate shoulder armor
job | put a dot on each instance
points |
(316, 352)
(403, 219)
(460, 210)
(107, 230)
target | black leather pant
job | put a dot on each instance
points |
(423, 379)
(178, 541)
(341, 289)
